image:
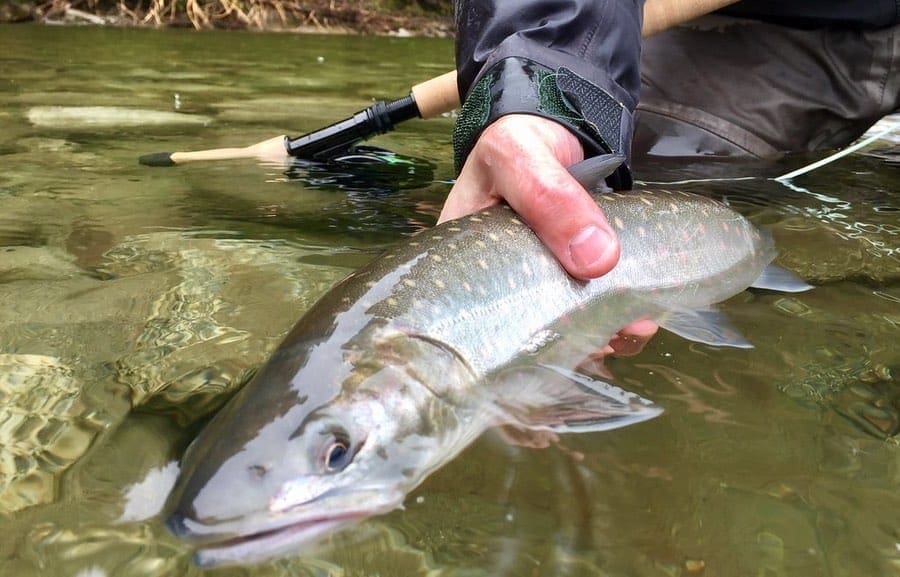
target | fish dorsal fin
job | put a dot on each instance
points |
(548, 397)
(775, 278)
(592, 172)
(707, 326)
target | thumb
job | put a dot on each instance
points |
(567, 220)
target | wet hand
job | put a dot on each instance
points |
(631, 340)
(521, 159)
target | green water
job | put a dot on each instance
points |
(133, 299)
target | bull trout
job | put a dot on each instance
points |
(462, 327)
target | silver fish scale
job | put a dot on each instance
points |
(486, 287)
(666, 239)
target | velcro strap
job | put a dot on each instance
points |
(522, 86)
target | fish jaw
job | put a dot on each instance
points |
(248, 518)
(275, 533)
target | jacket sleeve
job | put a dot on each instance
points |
(574, 61)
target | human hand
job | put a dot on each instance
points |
(521, 159)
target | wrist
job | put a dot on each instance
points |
(521, 86)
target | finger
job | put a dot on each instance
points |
(631, 340)
(566, 219)
(522, 159)
(471, 192)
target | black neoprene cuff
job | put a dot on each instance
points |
(521, 86)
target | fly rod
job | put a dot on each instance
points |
(426, 100)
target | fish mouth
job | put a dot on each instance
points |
(262, 536)
(268, 543)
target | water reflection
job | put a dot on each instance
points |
(364, 170)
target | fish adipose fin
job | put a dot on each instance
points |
(549, 397)
(706, 326)
(775, 278)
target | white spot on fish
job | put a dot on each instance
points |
(437, 258)
(619, 224)
(452, 245)
(474, 219)
(646, 201)
(480, 243)
(454, 229)
(527, 269)
(509, 231)
(511, 282)
(439, 283)
(467, 286)
(392, 301)
(409, 282)
(483, 264)
(437, 237)
(493, 237)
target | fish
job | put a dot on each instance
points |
(465, 326)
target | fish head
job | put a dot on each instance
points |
(274, 471)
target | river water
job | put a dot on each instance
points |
(134, 299)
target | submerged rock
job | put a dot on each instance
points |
(98, 116)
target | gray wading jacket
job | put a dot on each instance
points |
(577, 61)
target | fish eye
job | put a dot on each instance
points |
(337, 453)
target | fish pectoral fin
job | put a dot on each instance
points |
(706, 326)
(775, 278)
(553, 398)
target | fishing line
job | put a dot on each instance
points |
(835, 156)
(785, 178)
(698, 180)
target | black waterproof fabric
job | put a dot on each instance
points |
(738, 87)
(847, 14)
(597, 40)
(759, 89)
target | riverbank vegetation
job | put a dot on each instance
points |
(401, 17)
